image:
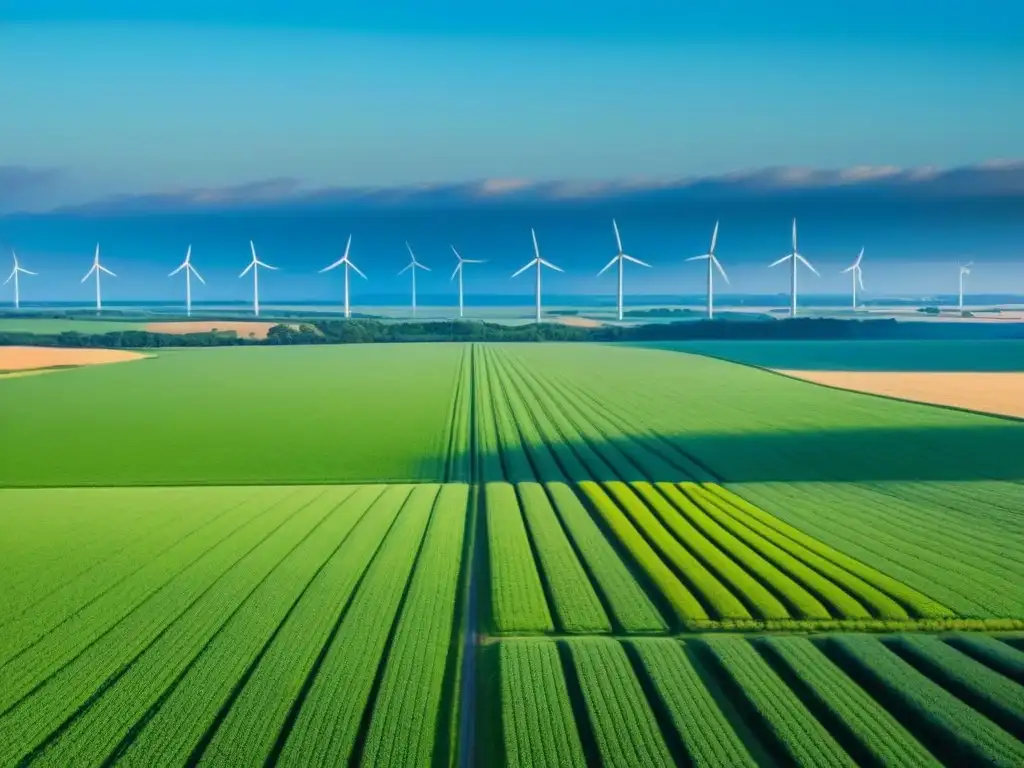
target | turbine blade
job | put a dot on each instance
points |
(720, 269)
(635, 261)
(348, 244)
(178, 269)
(421, 266)
(523, 269)
(859, 257)
(779, 261)
(338, 263)
(699, 258)
(536, 248)
(807, 264)
(860, 278)
(26, 272)
(618, 240)
(794, 234)
(356, 269)
(456, 272)
(608, 265)
(474, 261)
(104, 269)
(246, 270)
(89, 273)
(10, 277)
(848, 269)
(253, 249)
(714, 238)
(266, 266)
(456, 253)
(406, 268)
(409, 248)
(196, 273)
(188, 253)
(551, 266)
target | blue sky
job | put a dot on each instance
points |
(113, 97)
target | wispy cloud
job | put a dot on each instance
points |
(995, 178)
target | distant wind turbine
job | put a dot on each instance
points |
(712, 262)
(96, 269)
(857, 276)
(794, 257)
(255, 265)
(189, 271)
(539, 263)
(413, 265)
(18, 269)
(621, 258)
(963, 271)
(459, 270)
(348, 265)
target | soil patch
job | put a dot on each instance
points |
(244, 329)
(580, 322)
(999, 393)
(39, 358)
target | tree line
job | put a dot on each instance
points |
(365, 331)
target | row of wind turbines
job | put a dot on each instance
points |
(794, 257)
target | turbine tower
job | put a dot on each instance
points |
(18, 269)
(793, 258)
(856, 276)
(348, 265)
(712, 263)
(255, 265)
(964, 270)
(413, 265)
(189, 271)
(96, 269)
(539, 263)
(459, 270)
(621, 258)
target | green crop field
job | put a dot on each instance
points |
(59, 325)
(523, 555)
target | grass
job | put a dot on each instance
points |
(45, 325)
(681, 537)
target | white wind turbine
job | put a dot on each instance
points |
(18, 269)
(539, 263)
(96, 269)
(189, 271)
(413, 265)
(621, 258)
(712, 262)
(348, 265)
(794, 257)
(964, 270)
(857, 276)
(255, 265)
(459, 270)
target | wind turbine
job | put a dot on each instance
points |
(794, 257)
(857, 277)
(189, 271)
(458, 271)
(712, 262)
(621, 258)
(348, 265)
(255, 265)
(539, 263)
(963, 271)
(413, 265)
(96, 269)
(14, 276)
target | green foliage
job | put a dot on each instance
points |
(539, 726)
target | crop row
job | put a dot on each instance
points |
(837, 700)
(575, 561)
(304, 630)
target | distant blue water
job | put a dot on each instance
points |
(911, 250)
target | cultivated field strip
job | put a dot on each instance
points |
(704, 553)
(315, 629)
(726, 700)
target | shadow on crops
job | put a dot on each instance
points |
(973, 355)
(965, 453)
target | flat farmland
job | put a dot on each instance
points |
(505, 555)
